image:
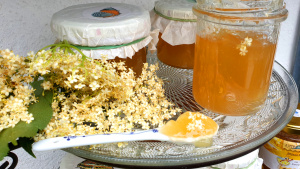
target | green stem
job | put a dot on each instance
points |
(67, 47)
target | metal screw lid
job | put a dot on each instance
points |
(293, 127)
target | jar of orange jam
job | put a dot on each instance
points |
(283, 151)
(119, 32)
(235, 47)
(177, 25)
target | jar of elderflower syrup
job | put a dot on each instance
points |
(235, 47)
(283, 151)
(177, 25)
(120, 32)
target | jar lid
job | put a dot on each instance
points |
(101, 24)
(177, 9)
(293, 127)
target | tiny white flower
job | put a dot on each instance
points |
(81, 78)
(30, 54)
(248, 41)
(47, 85)
(79, 86)
(72, 79)
(94, 85)
(6, 91)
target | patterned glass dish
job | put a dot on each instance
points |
(238, 135)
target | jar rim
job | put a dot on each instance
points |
(293, 127)
(239, 5)
(240, 15)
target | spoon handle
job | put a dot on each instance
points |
(75, 141)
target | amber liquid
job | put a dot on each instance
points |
(137, 61)
(179, 56)
(227, 82)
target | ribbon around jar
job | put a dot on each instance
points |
(174, 19)
(108, 47)
(122, 51)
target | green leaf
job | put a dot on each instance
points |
(42, 110)
(26, 144)
(42, 113)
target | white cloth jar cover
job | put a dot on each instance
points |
(103, 24)
(175, 20)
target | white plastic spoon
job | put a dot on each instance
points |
(75, 141)
(153, 134)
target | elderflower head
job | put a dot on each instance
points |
(98, 96)
(15, 97)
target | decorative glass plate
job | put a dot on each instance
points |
(237, 135)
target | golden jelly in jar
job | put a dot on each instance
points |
(234, 55)
(179, 56)
(116, 31)
(177, 25)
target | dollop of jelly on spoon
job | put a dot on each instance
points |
(191, 127)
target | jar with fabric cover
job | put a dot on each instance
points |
(116, 31)
(177, 26)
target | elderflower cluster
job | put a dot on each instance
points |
(196, 121)
(243, 46)
(15, 95)
(99, 96)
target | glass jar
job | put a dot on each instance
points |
(234, 54)
(117, 31)
(283, 151)
(177, 25)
